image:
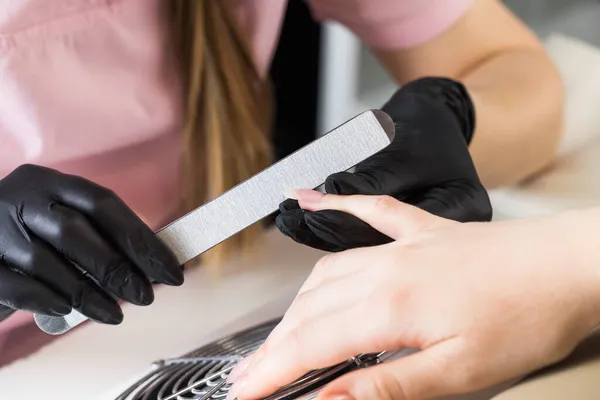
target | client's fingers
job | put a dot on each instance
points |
(332, 268)
(328, 298)
(338, 265)
(431, 373)
(384, 213)
(315, 344)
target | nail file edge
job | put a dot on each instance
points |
(211, 224)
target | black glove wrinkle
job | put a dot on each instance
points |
(289, 205)
(355, 233)
(293, 225)
(67, 243)
(452, 95)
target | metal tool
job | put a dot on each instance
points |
(202, 373)
(256, 198)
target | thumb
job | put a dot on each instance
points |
(384, 213)
(423, 375)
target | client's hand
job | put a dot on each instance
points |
(428, 164)
(484, 302)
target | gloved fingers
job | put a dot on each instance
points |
(293, 225)
(98, 306)
(329, 230)
(41, 263)
(368, 183)
(429, 146)
(375, 181)
(125, 231)
(21, 292)
(461, 201)
(72, 235)
(343, 230)
(436, 91)
(289, 205)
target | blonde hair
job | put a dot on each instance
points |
(227, 116)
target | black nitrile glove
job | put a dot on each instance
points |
(427, 165)
(66, 243)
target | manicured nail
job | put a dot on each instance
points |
(305, 195)
(239, 370)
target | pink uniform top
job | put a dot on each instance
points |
(86, 87)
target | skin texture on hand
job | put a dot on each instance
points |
(484, 302)
(67, 243)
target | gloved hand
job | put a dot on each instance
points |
(66, 243)
(428, 165)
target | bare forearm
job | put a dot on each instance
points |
(519, 114)
(516, 89)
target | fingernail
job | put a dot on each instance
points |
(343, 187)
(307, 195)
(235, 389)
(239, 370)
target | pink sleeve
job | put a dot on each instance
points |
(383, 24)
(392, 24)
(261, 20)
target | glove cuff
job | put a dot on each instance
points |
(452, 94)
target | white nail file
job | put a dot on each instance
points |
(256, 198)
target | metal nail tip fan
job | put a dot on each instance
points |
(202, 373)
